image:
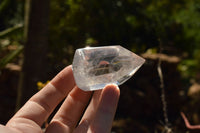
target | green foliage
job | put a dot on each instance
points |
(4, 5)
(188, 68)
(189, 18)
(13, 31)
(134, 24)
(10, 56)
(11, 13)
(10, 37)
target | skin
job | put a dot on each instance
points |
(81, 112)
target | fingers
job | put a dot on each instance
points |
(100, 113)
(97, 117)
(39, 107)
(89, 113)
(106, 110)
(70, 112)
(91, 110)
(4, 129)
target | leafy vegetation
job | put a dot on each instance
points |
(11, 30)
(136, 25)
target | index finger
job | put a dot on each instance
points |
(40, 106)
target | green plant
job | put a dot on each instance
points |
(11, 36)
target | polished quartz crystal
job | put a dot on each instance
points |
(95, 67)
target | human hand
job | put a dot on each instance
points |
(80, 112)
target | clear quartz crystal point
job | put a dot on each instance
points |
(95, 67)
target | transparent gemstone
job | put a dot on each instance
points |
(95, 67)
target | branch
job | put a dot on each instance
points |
(187, 123)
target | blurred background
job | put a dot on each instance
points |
(39, 38)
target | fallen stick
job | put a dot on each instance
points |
(187, 123)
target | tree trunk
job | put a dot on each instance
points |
(35, 48)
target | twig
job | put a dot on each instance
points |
(187, 123)
(162, 92)
(163, 98)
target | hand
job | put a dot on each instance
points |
(75, 114)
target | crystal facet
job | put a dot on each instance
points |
(95, 67)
